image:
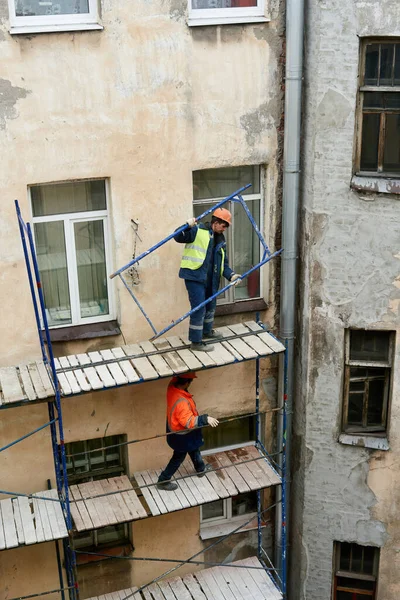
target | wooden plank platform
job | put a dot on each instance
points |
(236, 471)
(135, 363)
(250, 582)
(25, 521)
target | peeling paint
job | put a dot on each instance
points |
(9, 96)
(376, 185)
(256, 122)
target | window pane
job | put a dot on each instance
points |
(373, 100)
(369, 554)
(29, 8)
(355, 413)
(371, 64)
(386, 64)
(356, 557)
(52, 260)
(244, 504)
(61, 198)
(91, 263)
(375, 401)
(369, 143)
(391, 156)
(345, 553)
(111, 534)
(344, 595)
(392, 100)
(219, 183)
(229, 433)
(397, 66)
(213, 510)
(223, 3)
(356, 584)
(369, 345)
(247, 250)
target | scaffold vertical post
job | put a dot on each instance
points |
(284, 475)
(258, 428)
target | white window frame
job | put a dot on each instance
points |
(225, 16)
(49, 23)
(229, 296)
(218, 526)
(69, 219)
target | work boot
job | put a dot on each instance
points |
(168, 486)
(213, 335)
(201, 347)
(207, 469)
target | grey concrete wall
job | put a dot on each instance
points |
(349, 277)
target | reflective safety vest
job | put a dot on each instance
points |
(195, 252)
(182, 413)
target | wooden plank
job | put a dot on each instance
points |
(193, 587)
(253, 326)
(73, 382)
(10, 385)
(145, 368)
(151, 503)
(190, 359)
(129, 371)
(185, 489)
(254, 342)
(18, 521)
(274, 344)
(224, 331)
(105, 376)
(210, 589)
(46, 379)
(265, 466)
(201, 484)
(175, 341)
(162, 344)
(107, 355)
(155, 493)
(93, 378)
(155, 592)
(221, 356)
(36, 381)
(119, 505)
(234, 474)
(40, 537)
(82, 381)
(240, 455)
(91, 506)
(147, 347)
(166, 590)
(118, 353)
(117, 373)
(84, 521)
(59, 514)
(171, 499)
(191, 482)
(2, 536)
(65, 387)
(27, 383)
(132, 350)
(248, 581)
(27, 520)
(83, 359)
(73, 361)
(204, 358)
(64, 362)
(243, 348)
(216, 483)
(160, 365)
(175, 362)
(133, 504)
(50, 508)
(223, 475)
(215, 579)
(232, 350)
(259, 474)
(263, 581)
(57, 364)
(239, 329)
(10, 530)
(95, 357)
(235, 579)
(103, 504)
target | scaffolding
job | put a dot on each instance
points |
(257, 340)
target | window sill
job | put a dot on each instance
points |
(201, 21)
(207, 532)
(241, 307)
(84, 332)
(374, 184)
(21, 29)
(364, 441)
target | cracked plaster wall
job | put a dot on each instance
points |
(349, 277)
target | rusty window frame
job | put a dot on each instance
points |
(353, 576)
(362, 89)
(386, 373)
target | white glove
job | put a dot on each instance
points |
(191, 222)
(213, 422)
(236, 278)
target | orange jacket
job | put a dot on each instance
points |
(182, 413)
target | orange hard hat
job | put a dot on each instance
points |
(223, 214)
(189, 375)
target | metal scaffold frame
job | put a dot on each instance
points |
(55, 424)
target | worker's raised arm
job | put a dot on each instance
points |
(187, 236)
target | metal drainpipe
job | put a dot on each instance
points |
(290, 207)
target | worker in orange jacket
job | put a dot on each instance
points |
(182, 418)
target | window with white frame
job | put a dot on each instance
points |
(219, 517)
(214, 12)
(72, 245)
(243, 245)
(91, 460)
(28, 16)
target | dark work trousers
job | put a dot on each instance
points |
(201, 321)
(177, 459)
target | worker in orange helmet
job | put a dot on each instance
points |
(204, 262)
(182, 418)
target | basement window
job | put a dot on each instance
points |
(35, 16)
(378, 139)
(356, 572)
(220, 12)
(368, 373)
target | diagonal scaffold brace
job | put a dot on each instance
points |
(237, 198)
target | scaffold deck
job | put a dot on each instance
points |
(134, 363)
(25, 521)
(251, 582)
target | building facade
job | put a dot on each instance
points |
(118, 122)
(345, 521)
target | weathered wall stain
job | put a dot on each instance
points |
(9, 96)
